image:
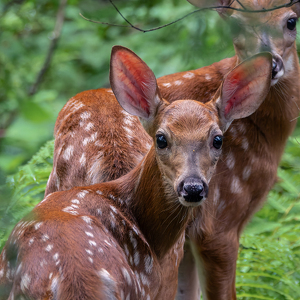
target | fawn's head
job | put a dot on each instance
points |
(187, 134)
(272, 31)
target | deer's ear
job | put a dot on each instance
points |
(213, 3)
(245, 88)
(296, 7)
(133, 83)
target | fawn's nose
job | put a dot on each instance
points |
(277, 67)
(193, 190)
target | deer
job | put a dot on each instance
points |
(248, 165)
(109, 240)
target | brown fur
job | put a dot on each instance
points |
(113, 240)
(217, 227)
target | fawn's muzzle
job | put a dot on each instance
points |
(277, 68)
(193, 189)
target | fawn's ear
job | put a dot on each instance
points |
(214, 3)
(134, 84)
(245, 88)
(296, 7)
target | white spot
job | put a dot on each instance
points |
(100, 250)
(90, 259)
(89, 251)
(50, 276)
(77, 106)
(207, 77)
(98, 144)
(75, 201)
(235, 185)
(89, 234)
(45, 237)
(92, 243)
(82, 160)
(246, 173)
(18, 269)
(122, 295)
(55, 256)
(221, 206)
(74, 206)
(242, 128)
(86, 219)
(25, 281)
(89, 126)
(144, 279)
(99, 192)
(106, 242)
(31, 241)
(233, 132)
(136, 258)
(109, 285)
(167, 84)
(38, 225)
(216, 195)
(126, 276)
(112, 224)
(54, 285)
(82, 194)
(49, 247)
(85, 115)
(113, 209)
(126, 250)
(132, 239)
(230, 161)
(143, 292)
(148, 297)
(1, 273)
(136, 230)
(43, 262)
(99, 211)
(90, 139)
(129, 131)
(70, 210)
(188, 75)
(245, 143)
(148, 264)
(68, 152)
(178, 82)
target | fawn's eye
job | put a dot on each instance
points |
(161, 141)
(291, 23)
(218, 141)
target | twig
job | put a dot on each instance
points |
(56, 34)
(243, 9)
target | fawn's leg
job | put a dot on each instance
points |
(188, 280)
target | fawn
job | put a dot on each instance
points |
(110, 240)
(248, 165)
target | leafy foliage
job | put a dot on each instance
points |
(269, 259)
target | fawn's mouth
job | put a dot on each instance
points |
(191, 202)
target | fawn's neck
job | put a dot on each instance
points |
(154, 205)
(277, 116)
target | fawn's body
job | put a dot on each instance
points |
(123, 239)
(248, 167)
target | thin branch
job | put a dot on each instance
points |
(56, 35)
(243, 9)
(240, 4)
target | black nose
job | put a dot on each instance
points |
(193, 189)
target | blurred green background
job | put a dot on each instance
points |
(269, 261)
